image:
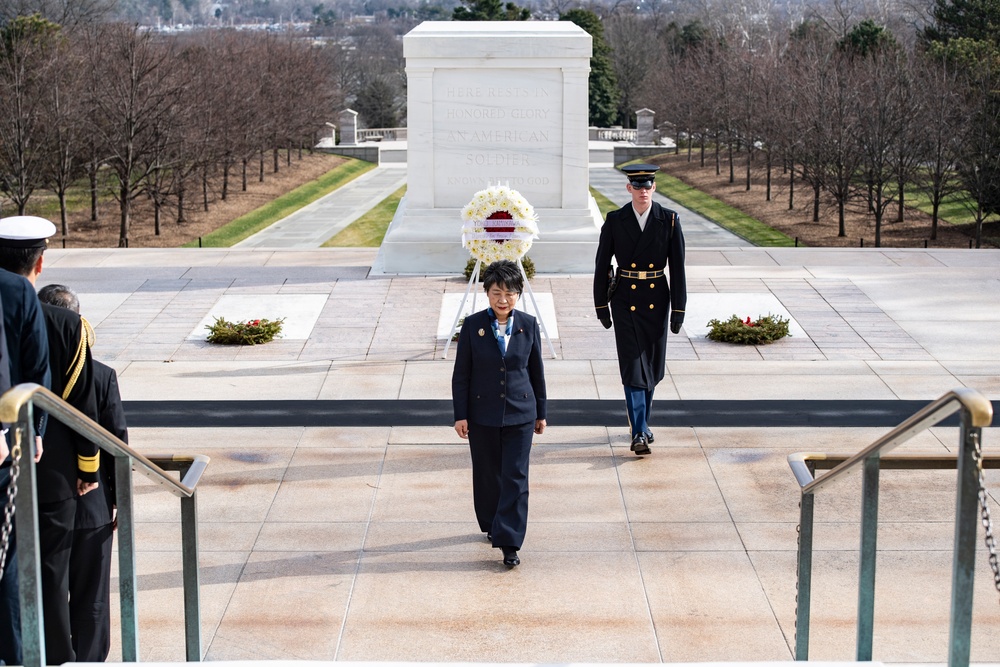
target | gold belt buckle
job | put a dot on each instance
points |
(642, 275)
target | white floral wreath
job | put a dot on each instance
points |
(498, 224)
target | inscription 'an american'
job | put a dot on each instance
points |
(498, 136)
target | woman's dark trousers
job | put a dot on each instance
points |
(500, 480)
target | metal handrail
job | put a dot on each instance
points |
(976, 413)
(16, 409)
(979, 407)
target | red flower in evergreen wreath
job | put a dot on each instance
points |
(498, 224)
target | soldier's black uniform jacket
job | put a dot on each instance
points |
(68, 456)
(640, 309)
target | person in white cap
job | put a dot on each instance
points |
(70, 465)
(27, 361)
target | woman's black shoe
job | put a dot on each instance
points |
(510, 558)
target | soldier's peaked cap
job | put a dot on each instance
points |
(25, 231)
(640, 173)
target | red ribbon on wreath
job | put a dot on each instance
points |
(501, 215)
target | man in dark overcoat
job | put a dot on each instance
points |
(93, 532)
(645, 241)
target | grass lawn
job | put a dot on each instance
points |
(368, 230)
(751, 229)
(45, 204)
(256, 220)
(956, 208)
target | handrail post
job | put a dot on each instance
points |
(804, 593)
(127, 586)
(17, 407)
(29, 558)
(866, 572)
(192, 607)
(964, 558)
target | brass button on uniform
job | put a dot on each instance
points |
(652, 285)
(651, 306)
(633, 285)
(633, 265)
(650, 266)
(632, 308)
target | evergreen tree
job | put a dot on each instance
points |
(970, 19)
(490, 10)
(967, 33)
(604, 91)
(867, 37)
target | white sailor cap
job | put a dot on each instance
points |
(25, 231)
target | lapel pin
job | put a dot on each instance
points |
(482, 333)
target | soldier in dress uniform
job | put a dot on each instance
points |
(70, 463)
(27, 360)
(646, 242)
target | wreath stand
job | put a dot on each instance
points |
(473, 279)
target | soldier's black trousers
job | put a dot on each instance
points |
(90, 593)
(55, 541)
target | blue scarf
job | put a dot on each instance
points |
(496, 331)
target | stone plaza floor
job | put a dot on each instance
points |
(359, 543)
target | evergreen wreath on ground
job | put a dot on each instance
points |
(765, 330)
(251, 332)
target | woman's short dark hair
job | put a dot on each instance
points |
(504, 273)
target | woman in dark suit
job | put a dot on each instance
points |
(498, 391)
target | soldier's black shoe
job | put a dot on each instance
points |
(649, 437)
(510, 558)
(640, 445)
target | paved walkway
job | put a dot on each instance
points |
(313, 225)
(699, 232)
(359, 543)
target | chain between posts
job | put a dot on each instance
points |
(991, 545)
(8, 512)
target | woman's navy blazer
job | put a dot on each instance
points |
(494, 390)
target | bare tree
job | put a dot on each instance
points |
(809, 115)
(838, 139)
(65, 147)
(132, 89)
(27, 61)
(883, 112)
(942, 114)
(980, 162)
(629, 36)
(771, 103)
(63, 12)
